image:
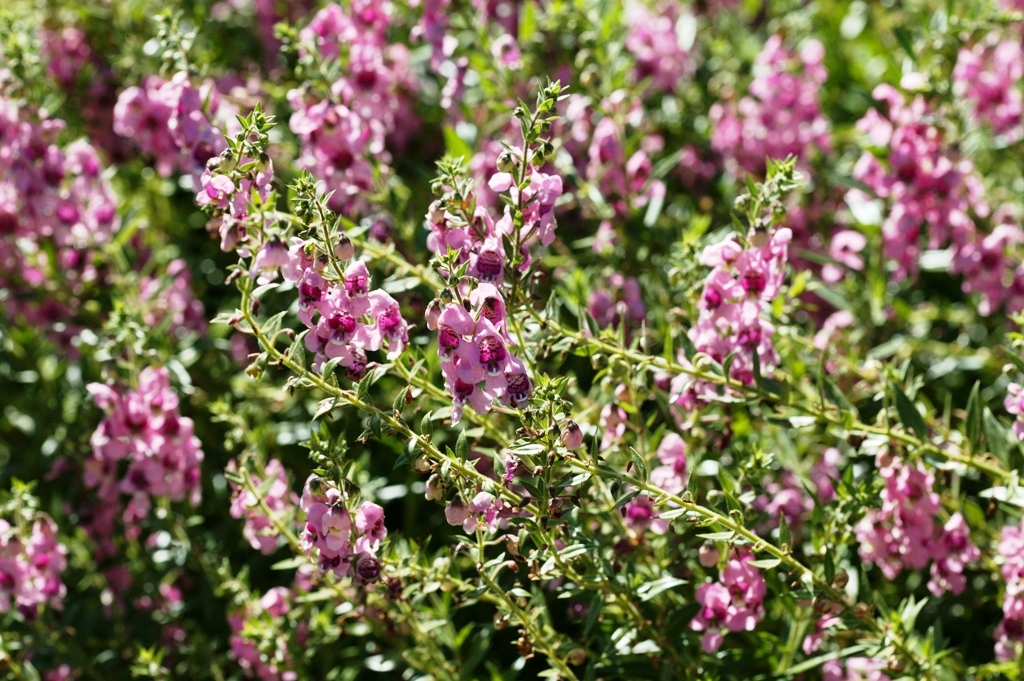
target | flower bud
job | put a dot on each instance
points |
(343, 249)
(435, 488)
(577, 656)
(505, 163)
(572, 436)
(707, 555)
(841, 579)
(367, 568)
(432, 314)
(436, 214)
(456, 512)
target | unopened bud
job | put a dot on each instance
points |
(433, 314)
(572, 436)
(367, 568)
(343, 249)
(707, 555)
(505, 163)
(436, 214)
(435, 488)
(841, 579)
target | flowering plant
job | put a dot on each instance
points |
(511, 339)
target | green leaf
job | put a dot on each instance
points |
(995, 436)
(325, 407)
(785, 537)
(462, 446)
(834, 395)
(399, 404)
(766, 563)
(903, 36)
(909, 414)
(456, 145)
(973, 419)
(633, 494)
(638, 463)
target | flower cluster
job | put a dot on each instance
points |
(346, 319)
(904, 533)
(56, 208)
(991, 265)
(987, 75)
(338, 542)
(734, 603)
(738, 290)
(276, 499)
(30, 568)
(928, 189)
(271, 662)
(144, 430)
(67, 53)
(175, 122)
(1014, 403)
(854, 669)
(227, 188)
(343, 137)
(933, 194)
(1010, 631)
(780, 116)
(484, 511)
(654, 40)
(169, 300)
(671, 476)
(619, 302)
(475, 360)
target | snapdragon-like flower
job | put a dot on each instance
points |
(226, 193)
(144, 430)
(343, 137)
(475, 359)
(246, 648)
(346, 319)
(655, 39)
(30, 567)
(780, 116)
(260, 529)
(625, 183)
(1014, 404)
(854, 669)
(935, 197)
(620, 302)
(672, 475)
(737, 293)
(987, 75)
(178, 124)
(335, 540)
(1009, 633)
(485, 511)
(56, 209)
(904, 533)
(734, 603)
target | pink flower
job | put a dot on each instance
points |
(903, 533)
(260, 529)
(780, 116)
(734, 603)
